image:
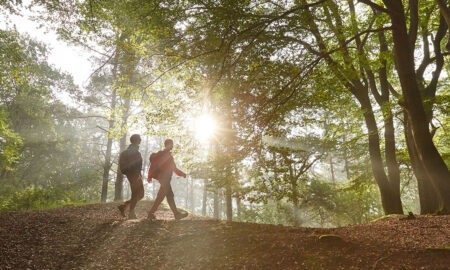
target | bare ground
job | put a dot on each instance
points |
(94, 237)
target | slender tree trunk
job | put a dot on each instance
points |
(118, 191)
(427, 152)
(191, 196)
(123, 144)
(229, 138)
(205, 196)
(391, 163)
(229, 203)
(346, 161)
(238, 207)
(106, 167)
(333, 177)
(393, 170)
(111, 123)
(145, 158)
(295, 195)
(216, 203)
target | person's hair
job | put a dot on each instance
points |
(167, 142)
(135, 138)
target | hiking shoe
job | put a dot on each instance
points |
(179, 215)
(132, 215)
(151, 216)
(121, 210)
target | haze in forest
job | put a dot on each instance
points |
(305, 113)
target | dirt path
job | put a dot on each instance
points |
(94, 237)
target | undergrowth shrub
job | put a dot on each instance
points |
(38, 198)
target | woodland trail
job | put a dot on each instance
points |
(94, 237)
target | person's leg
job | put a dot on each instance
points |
(171, 200)
(137, 193)
(126, 205)
(164, 187)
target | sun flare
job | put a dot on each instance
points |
(205, 127)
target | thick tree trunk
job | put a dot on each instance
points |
(428, 154)
(390, 198)
(429, 202)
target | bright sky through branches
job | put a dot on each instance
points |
(68, 58)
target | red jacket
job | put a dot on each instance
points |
(162, 166)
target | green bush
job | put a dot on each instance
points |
(37, 198)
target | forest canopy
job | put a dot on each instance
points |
(296, 112)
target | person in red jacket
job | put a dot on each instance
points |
(162, 167)
(130, 163)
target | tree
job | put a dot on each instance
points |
(428, 155)
(50, 130)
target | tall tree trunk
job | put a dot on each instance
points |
(128, 70)
(107, 165)
(391, 203)
(429, 202)
(333, 177)
(295, 195)
(205, 196)
(229, 203)
(383, 100)
(346, 160)
(391, 162)
(390, 199)
(216, 204)
(427, 152)
(145, 157)
(111, 123)
(191, 196)
(238, 207)
(118, 186)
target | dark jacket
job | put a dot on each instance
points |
(130, 160)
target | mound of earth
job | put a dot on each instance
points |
(94, 237)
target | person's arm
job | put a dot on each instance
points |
(179, 172)
(176, 170)
(151, 167)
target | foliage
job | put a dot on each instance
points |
(39, 198)
(273, 212)
(308, 73)
(48, 140)
(10, 144)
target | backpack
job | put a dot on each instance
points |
(127, 159)
(153, 170)
(156, 161)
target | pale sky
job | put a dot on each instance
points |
(68, 58)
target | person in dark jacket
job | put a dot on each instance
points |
(131, 165)
(161, 168)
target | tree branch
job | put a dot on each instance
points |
(374, 6)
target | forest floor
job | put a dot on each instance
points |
(94, 237)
